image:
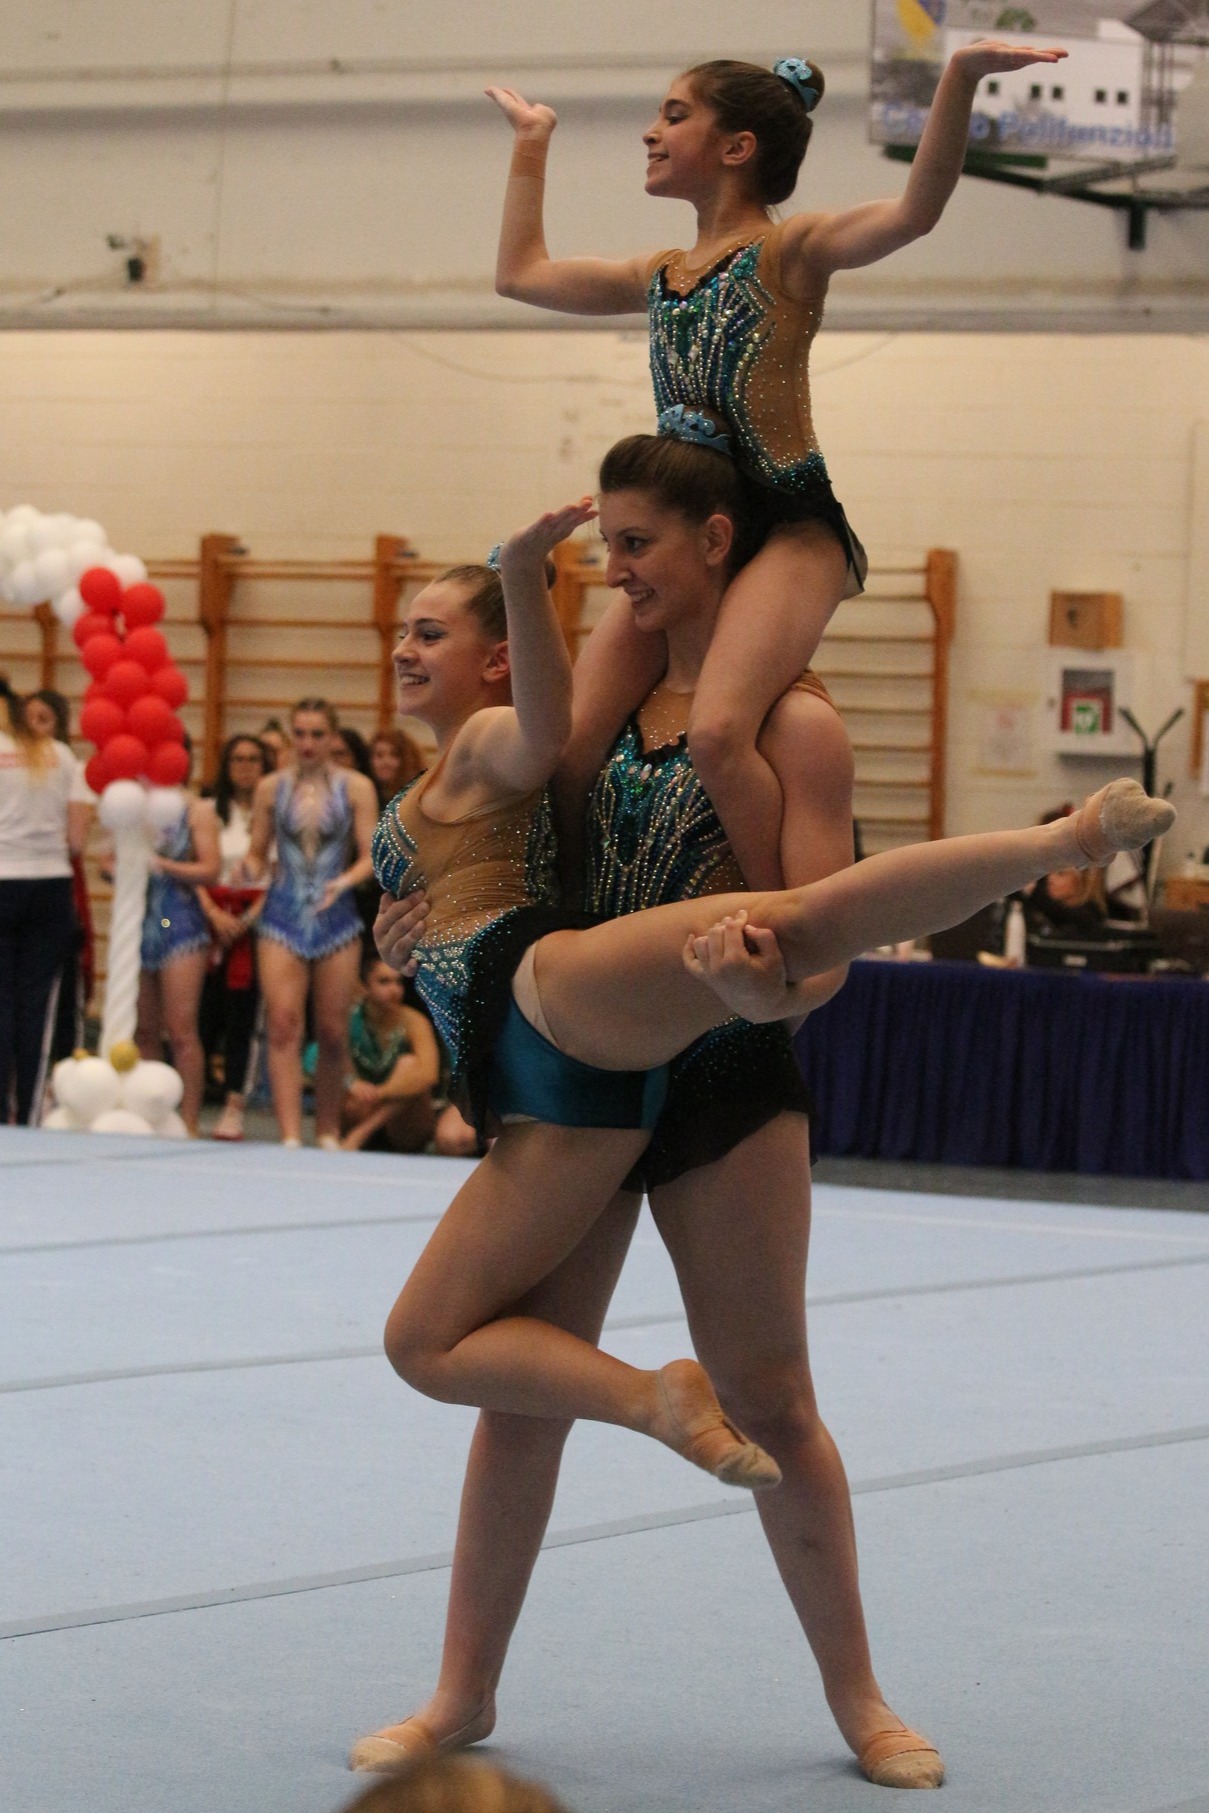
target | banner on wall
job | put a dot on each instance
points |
(1094, 105)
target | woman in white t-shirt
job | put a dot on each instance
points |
(45, 806)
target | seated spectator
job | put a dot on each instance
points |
(396, 1065)
(455, 1784)
(393, 761)
(453, 1136)
(1071, 901)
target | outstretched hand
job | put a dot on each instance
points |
(990, 58)
(529, 119)
(743, 966)
(399, 928)
(529, 547)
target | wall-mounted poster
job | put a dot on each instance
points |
(1110, 100)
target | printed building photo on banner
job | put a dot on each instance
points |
(1112, 99)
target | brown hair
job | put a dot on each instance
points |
(485, 601)
(745, 98)
(455, 1785)
(697, 481)
(411, 762)
(318, 705)
(34, 751)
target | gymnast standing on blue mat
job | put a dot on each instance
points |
(568, 1067)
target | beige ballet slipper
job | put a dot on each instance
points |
(1122, 816)
(383, 1754)
(691, 1421)
(901, 1759)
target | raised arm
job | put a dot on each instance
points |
(519, 746)
(814, 245)
(524, 268)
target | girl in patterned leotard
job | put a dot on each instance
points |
(732, 321)
(320, 818)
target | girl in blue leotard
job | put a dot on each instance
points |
(321, 819)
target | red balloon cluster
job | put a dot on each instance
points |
(130, 708)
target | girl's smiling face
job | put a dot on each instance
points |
(687, 151)
(669, 567)
(443, 659)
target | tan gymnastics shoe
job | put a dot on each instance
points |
(901, 1759)
(1122, 816)
(379, 1754)
(691, 1422)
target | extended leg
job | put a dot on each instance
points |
(660, 1009)
(511, 1476)
(772, 618)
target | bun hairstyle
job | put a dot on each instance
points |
(696, 481)
(745, 98)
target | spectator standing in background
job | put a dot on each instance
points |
(231, 997)
(176, 947)
(47, 714)
(272, 736)
(321, 818)
(45, 810)
(350, 749)
(393, 761)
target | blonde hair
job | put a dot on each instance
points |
(455, 1785)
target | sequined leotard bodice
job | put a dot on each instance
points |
(729, 340)
(475, 871)
(309, 856)
(653, 835)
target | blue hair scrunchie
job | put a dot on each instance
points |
(493, 559)
(681, 424)
(797, 72)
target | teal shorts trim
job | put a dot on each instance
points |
(532, 1079)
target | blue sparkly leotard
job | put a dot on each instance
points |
(173, 922)
(490, 881)
(653, 837)
(292, 915)
(476, 871)
(729, 340)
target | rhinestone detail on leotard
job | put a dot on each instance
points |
(729, 343)
(475, 873)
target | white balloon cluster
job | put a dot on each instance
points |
(42, 557)
(93, 1097)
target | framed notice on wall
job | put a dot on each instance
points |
(1096, 104)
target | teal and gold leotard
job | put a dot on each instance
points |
(653, 837)
(727, 338)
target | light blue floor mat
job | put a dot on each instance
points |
(227, 1524)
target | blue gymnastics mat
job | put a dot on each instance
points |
(227, 1524)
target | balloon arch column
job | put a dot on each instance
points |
(130, 715)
